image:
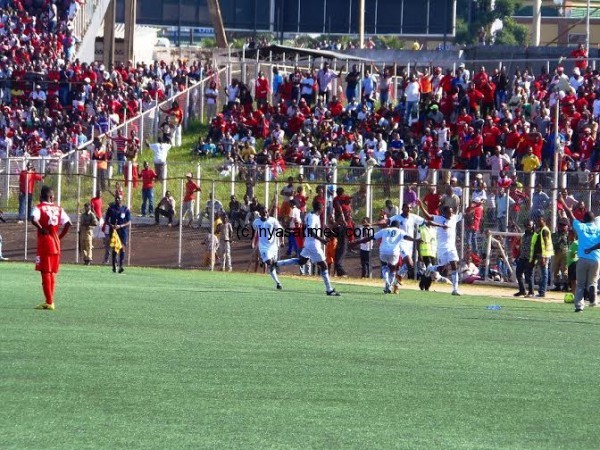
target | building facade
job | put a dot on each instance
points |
(401, 17)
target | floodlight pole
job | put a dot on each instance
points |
(557, 157)
(361, 23)
(587, 27)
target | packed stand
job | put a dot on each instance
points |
(438, 125)
(51, 103)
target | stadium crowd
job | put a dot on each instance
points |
(51, 102)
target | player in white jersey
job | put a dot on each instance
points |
(447, 254)
(267, 228)
(407, 223)
(313, 247)
(390, 251)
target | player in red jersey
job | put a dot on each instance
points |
(49, 218)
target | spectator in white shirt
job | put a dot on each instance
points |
(160, 150)
(413, 95)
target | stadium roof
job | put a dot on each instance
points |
(277, 51)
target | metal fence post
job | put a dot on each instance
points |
(6, 182)
(201, 96)
(94, 177)
(180, 241)
(369, 204)
(267, 187)
(164, 180)
(59, 182)
(401, 190)
(77, 246)
(129, 169)
(531, 189)
(212, 248)
(198, 193)
(186, 111)
(464, 200)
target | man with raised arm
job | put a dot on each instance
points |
(588, 235)
(446, 242)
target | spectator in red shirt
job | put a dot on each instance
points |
(148, 178)
(580, 55)
(27, 179)
(432, 201)
(475, 216)
(579, 211)
(262, 89)
(188, 200)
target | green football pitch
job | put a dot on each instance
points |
(186, 359)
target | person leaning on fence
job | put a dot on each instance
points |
(161, 151)
(165, 208)
(188, 200)
(210, 96)
(102, 155)
(588, 252)
(27, 179)
(87, 222)
(524, 267)
(175, 120)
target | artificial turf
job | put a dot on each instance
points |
(188, 359)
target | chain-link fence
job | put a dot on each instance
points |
(186, 242)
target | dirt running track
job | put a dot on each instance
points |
(157, 247)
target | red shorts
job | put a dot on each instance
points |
(47, 264)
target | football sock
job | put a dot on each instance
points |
(403, 270)
(121, 257)
(114, 259)
(454, 278)
(385, 272)
(53, 279)
(393, 279)
(326, 280)
(47, 285)
(0, 246)
(288, 262)
(273, 273)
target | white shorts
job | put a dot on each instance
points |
(406, 249)
(446, 256)
(390, 258)
(268, 253)
(315, 254)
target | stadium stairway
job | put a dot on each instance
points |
(87, 23)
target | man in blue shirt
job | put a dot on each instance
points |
(118, 219)
(277, 82)
(588, 265)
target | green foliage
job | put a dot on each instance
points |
(512, 33)
(208, 43)
(472, 15)
(392, 42)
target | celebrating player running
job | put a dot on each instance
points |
(266, 228)
(390, 251)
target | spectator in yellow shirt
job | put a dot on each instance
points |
(247, 151)
(530, 162)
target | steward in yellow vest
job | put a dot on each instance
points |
(540, 253)
(427, 252)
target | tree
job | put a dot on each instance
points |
(473, 16)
